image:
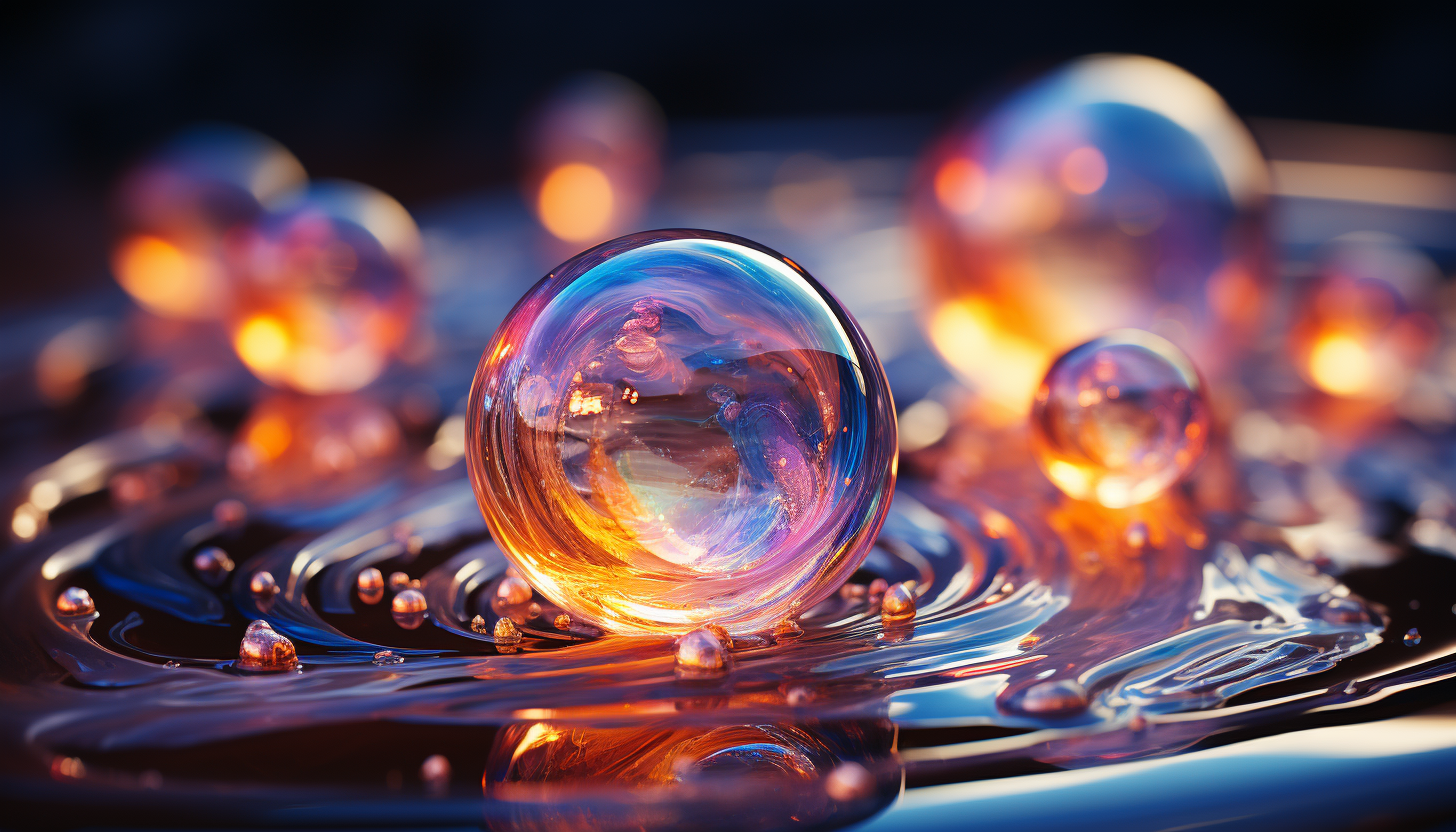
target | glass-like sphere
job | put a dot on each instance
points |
(176, 207)
(325, 289)
(1117, 191)
(678, 428)
(1119, 419)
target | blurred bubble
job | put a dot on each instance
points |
(1360, 328)
(370, 584)
(1117, 191)
(1119, 419)
(325, 288)
(594, 157)
(177, 206)
(288, 439)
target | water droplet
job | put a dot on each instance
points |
(398, 581)
(534, 610)
(263, 584)
(701, 655)
(264, 649)
(172, 665)
(1412, 637)
(408, 609)
(387, 657)
(371, 585)
(478, 624)
(898, 604)
(506, 632)
(1124, 450)
(75, 601)
(230, 514)
(786, 630)
(1351, 689)
(1061, 697)
(848, 782)
(213, 564)
(435, 774)
(562, 622)
(512, 591)
(721, 634)
(878, 587)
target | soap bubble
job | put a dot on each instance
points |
(1117, 191)
(1119, 419)
(681, 427)
(177, 206)
(325, 289)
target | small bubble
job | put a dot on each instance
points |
(562, 622)
(371, 585)
(75, 601)
(230, 514)
(212, 563)
(898, 604)
(506, 632)
(700, 654)
(409, 601)
(1412, 637)
(384, 657)
(172, 665)
(533, 611)
(398, 581)
(435, 773)
(264, 649)
(478, 624)
(1061, 697)
(512, 591)
(263, 584)
(848, 782)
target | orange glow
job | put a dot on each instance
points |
(166, 280)
(1341, 365)
(960, 185)
(576, 203)
(263, 343)
(269, 437)
(582, 405)
(969, 332)
(1084, 170)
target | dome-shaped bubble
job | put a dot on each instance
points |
(682, 427)
(1119, 419)
(1117, 191)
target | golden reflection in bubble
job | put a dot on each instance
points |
(1116, 191)
(569, 776)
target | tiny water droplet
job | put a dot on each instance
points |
(1351, 689)
(898, 604)
(1061, 697)
(1137, 723)
(1412, 637)
(512, 591)
(409, 601)
(371, 585)
(700, 654)
(213, 564)
(562, 622)
(878, 587)
(398, 581)
(533, 611)
(435, 774)
(172, 665)
(786, 630)
(849, 781)
(264, 649)
(263, 584)
(722, 635)
(478, 624)
(506, 632)
(385, 657)
(75, 601)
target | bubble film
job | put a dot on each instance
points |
(678, 428)
(1119, 419)
(1118, 191)
(325, 291)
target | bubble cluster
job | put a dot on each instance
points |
(1119, 419)
(680, 427)
(1116, 191)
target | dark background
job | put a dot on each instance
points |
(424, 100)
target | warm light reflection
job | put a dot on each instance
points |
(167, 280)
(263, 344)
(1084, 170)
(1341, 365)
(575, 202)
(1005, 365)
(960, 185)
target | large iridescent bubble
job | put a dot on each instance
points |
(1118, 191)
(678, 428)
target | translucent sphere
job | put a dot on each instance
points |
(176, 207)
(1119, 419)
(325, 289)
(678, 428)
(1117, 191)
